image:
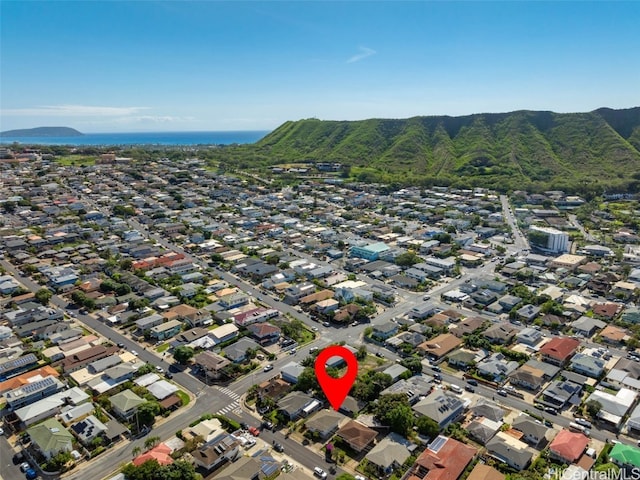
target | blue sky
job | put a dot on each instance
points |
(169, 66)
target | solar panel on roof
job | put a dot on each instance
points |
(437, 444)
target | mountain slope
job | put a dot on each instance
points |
(42, 132)
(522, 149)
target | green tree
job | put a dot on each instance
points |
(428, 427)
(394, 410)
(183, 354)
(43, 296)
(307, 380)
(407, 259)
(147, 413)
(593, 408)
(151, 442)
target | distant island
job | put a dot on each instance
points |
(43, 132)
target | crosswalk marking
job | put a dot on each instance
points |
(229, 393)
(233, 406)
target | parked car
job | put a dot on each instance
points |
(24, 466)
(437, 376)
(584, 422)
(320, 473)
(473, 382)
(159, 369)
(134, 353)
(31, 474)
(254, 431)
(326, 324)
(380, 354)
(267, 425)
(502, 393)
(168, 375)
(551, 410)
(469, 388)
(455, 388)
(278, 447)
(120, 345)
(268, 368)
(1, 431)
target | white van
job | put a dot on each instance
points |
(455, 388)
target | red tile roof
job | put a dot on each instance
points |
(447, 463)
(569, 445)
(160, 453)
(560, 348)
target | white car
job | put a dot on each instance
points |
(268, 368)
(159, 369)
(134, 353)
(320, 473)
(1, 431)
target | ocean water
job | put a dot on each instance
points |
(145, 138)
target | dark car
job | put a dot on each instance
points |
(31, 474)
(267, 425)
(469, 388)
(168, 375)
(120, 345)
(437, 376)
(244, 426)
(473, 382)
(380, 354)
(278, 447)
(551, 410)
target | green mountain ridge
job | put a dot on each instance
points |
(42, 132)
(521, 149)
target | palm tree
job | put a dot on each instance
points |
(136, 451)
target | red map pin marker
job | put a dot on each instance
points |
(336, 389)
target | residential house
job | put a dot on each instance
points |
(588, 365)
(265, 333)
(88, 429)
(211, 364)
(482, 429)
(389, 454)
(125, 404)
(239, 351)
(161, 453)
(528, 377)
(614, 407)
(296, 405)
(496, 367)
(32, 392)
(224, 448)
(507, 449)
(385, 330)
(440, 346)
(50, 437)
(626, 457)
(462, 359)
(501, 333)
(274, 388)
(441, 407)
(166, 330)
(568, 446)
(487, 409)
(325, 423)
(529, 336)
(528, 313)
(485, 472)
(291, 371)
(533, 432)
(444, 458)
(561, 394)
(248, 468)
(413, 387)
(358, 436)
(559, 350)
(587, 326)
(614, 335)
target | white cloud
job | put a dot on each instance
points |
(364, 53)
(72, 111)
